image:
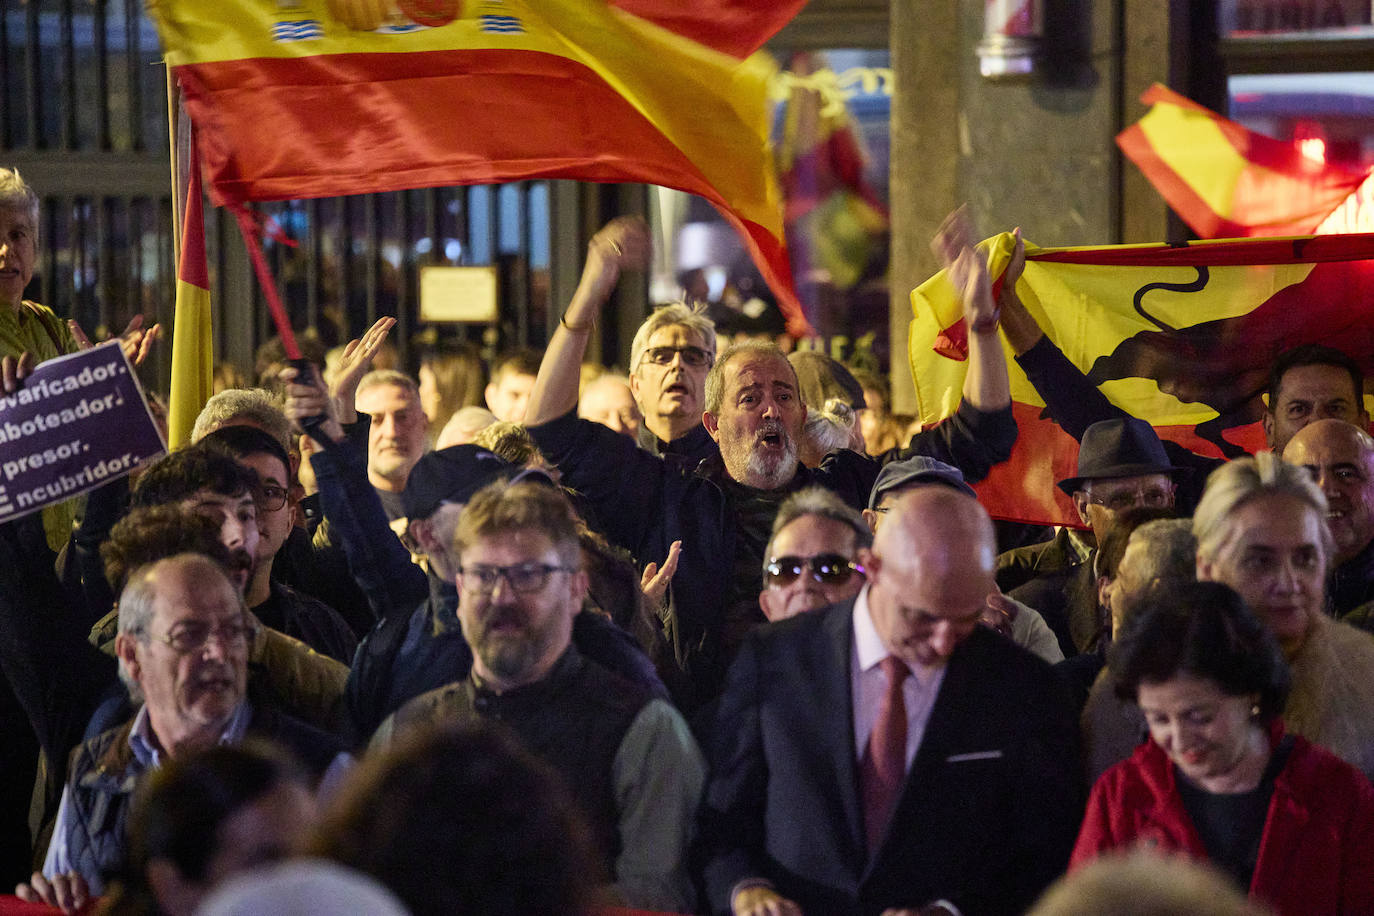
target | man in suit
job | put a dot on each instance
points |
(888, 755)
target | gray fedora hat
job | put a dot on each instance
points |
(1120, 447)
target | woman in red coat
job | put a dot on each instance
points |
(1218, 779)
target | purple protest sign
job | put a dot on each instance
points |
(79, 421)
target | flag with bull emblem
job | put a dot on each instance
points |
(1181, 336)
(317, 98)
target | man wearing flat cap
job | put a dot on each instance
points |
(1121, 464)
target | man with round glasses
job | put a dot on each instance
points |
(183, 645)
(276, 604)
(810, 560)
(627, 759)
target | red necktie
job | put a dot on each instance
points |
(884, 764)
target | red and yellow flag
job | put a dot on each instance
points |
(1180, 336)
(315, 98)
(1226, 181)
(193, 353)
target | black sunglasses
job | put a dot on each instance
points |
(827, 569)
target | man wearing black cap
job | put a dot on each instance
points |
(1121, 464)
(418, 644)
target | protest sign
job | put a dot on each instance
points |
(79, 421)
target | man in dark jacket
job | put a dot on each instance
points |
(417, 644)
(184, 635)
(889, 752)
(722, 509)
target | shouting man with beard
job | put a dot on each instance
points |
(722, 509)
(626, 758)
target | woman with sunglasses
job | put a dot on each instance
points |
(1219, 779)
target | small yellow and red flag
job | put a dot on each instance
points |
(1229, 182)
(193, 354)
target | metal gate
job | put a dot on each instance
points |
(83, 115)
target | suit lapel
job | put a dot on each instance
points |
(838, 707)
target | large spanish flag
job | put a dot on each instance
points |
(295, 100)
(1181, 336)
(1229, 182)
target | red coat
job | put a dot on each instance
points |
(1317, 851)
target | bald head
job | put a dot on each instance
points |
(1340, 458)
(939, 523)
(930, 573)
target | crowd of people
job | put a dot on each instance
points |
(706, 635)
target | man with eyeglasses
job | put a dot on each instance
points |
(721, 509)
(669, 357)
(316, 568)
(627, 758)
(183, 645)
(277, 605)
(810, 561)
(1121, 464)
(222, 478)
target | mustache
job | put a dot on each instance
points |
(771, 427)
(213, 673)
(503, 615)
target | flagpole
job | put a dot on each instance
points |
(172, 125)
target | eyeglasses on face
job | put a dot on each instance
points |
(192, 636)
(695, 357)
(522, 579)
(1154, 498)
(270, 497)
(826, 568)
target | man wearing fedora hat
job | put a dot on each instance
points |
(1121, 464)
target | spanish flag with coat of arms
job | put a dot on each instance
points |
(1181, 336)
(316, 98)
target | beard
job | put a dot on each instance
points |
(770, 469)
(510, 654)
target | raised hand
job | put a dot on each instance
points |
(356, 362)
(968, 272)
(622, 244)
(136, 341)
(655, 580)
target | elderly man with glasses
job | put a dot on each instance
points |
(183, 645)
(669, 357)
(1121, 464)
